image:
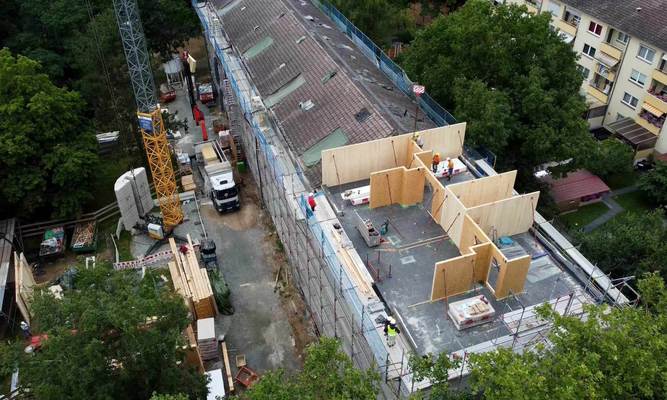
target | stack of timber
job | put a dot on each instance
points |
(191, 281)
(83, 239)
(187, 182)
(192, 356)
(206, 339)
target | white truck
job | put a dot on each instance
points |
(218, 176)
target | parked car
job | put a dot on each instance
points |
(644, 165)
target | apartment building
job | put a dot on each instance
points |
(622, 48)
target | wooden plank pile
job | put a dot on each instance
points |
(191, 281)
(187, 182)
(83, 238)
(206, 339)
(192, 356)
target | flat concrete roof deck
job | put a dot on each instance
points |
(414, 243)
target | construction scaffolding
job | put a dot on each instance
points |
(336, 302)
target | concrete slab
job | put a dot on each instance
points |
(412, 246)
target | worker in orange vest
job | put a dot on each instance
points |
(436, 162)
(450, 168)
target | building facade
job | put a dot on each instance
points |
(622, 54)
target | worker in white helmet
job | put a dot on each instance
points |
(391, 331)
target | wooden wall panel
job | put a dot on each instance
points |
(485, 190)
(471, 234)
(482, 261)
(512, 277)
(446, 140)
(508, 217)
(453, 276)
(356, 162)
(413, 186)
(452, 217)
(386, 187)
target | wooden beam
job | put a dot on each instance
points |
(228, 368)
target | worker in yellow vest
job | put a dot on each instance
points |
(450, 168)
(391, 331)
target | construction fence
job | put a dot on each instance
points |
(332, 299)
(392, 70)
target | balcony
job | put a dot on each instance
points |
(598, 94)
(605, 72)
(660, 76)
(642, 120)
(612, 51)
(657, 101)
(566, 27)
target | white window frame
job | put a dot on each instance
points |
(620, 34)
(629, 104)
(592, 32)
(636, 80)
(648, 49)
(583, 50)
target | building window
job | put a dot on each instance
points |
(638, 78)
(630, 100)
(589, 50)
(572, 18)
(584, 71)
(623, 38)
(645, 53)
(595, 28)
(553, 8)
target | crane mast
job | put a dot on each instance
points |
(149, 113)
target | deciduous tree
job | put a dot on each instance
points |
(47, 146)
(114, 336)
(328, 373)
(654, 184)
(610, 157)
(503, 65)
(629, 244)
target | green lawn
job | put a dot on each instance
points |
(583, 216)
(634, 202)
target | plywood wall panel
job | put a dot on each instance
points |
(413, 186)
(357, 161)
(512, 277)
(453, 276)
(446, 140)
(452, 217)
(508, 217)
(482, 261)
(476, 192)
(386, 187)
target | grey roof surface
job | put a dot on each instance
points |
(306, 46)
(649, 24)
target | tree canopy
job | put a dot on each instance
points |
(510, 77)
(654, 184)
(100, 345)
(328, 373)
(380, 20)
(47, 146)
(615, 353)
(629, 244)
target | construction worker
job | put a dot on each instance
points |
(418, 139)
(391, 331)
(311, 201)
(436, 162)
(25, 328)
(450, 168)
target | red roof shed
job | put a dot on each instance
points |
(579, 185)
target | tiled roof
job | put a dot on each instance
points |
(576, 185)
(294, 53)
(649, 24)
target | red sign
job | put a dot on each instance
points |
(418, 89)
